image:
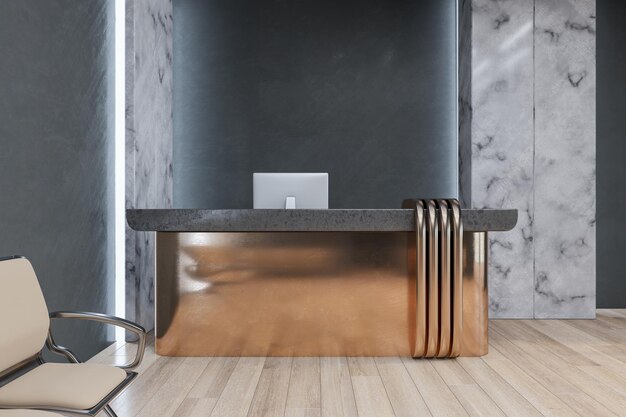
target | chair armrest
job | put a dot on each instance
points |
(101, 318)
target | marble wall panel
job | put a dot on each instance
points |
(565, 168)
(502, 145)
(148, 141)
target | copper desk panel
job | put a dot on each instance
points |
(300, 294)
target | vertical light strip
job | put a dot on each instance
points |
(457, 110)
(120, 163)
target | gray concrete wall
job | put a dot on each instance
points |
(364, 90)
(57, 153)
(611, 154)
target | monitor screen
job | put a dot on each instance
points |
(290, 190)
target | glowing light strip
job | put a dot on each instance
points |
(457, 108)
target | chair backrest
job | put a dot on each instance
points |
(24, 320)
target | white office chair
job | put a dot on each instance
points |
(27, 413)
(26, 381)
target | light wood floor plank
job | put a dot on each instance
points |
(534, 368)
(362, 366)
(271, 392)
(149, 358)
(122, 353)
(337, 395)
(600, 393)
(186, 407)
(548, 377)
(371, 397)
(475, 401)
(511, 402)
(452, 372)
(608, 312)
(605, 329)
(214, 378)
(621, 311)
(540, 372)
(471, 396)
(565, 335)
(608, 376)
(616, 352)
(585, 405)
(126, 349)
(612, 318)
(195, 407)
(405, 399)
(304, 387)
(539, 396)
(143, 389)
(437, 395)
(237, 396)
(104, 356)
(302, 412)
(369, 392)
(603, 367)
(549, 334)
(174, 389)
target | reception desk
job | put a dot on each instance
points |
(322, 282)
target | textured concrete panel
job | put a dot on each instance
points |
(364, 90)
(57, 153)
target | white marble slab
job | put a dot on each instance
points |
(565, 158)
(149, 138)
(502, 145)
(132, 282)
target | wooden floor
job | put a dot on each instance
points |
(534, 368)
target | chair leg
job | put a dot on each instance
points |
(109, 411)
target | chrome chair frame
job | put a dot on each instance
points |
(101, 318)
(33, 362)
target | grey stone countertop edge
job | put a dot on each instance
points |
(304, 220)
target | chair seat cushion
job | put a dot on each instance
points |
(77, 386)
(27, 413)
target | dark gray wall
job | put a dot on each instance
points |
(611, 154)
(362, 89)
(57, 153)
(465, 101)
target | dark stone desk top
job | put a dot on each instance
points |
(302, 220)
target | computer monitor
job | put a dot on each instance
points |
(290, 190)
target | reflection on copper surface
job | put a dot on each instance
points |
(475, 298)
(284, 294)
(445, 288)
(317, 294)
(432, 332)
(457, 278)
(419, 350)
(438, 249)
